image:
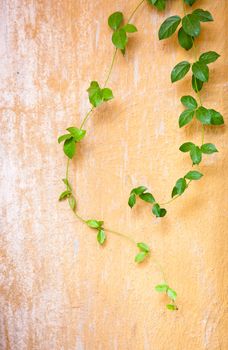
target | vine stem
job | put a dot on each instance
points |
(197, 90)
(133, 12)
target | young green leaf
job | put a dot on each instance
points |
(200, 71)
(208, 148)
(196, 155)
(64, 137)
(190, 2)
(180, 70)
(143, 247)
(78, 134)
(119, 39)
(101, 237)
(147, 197)
(216, 117)
(139, 190)
(189, 102)
(185, 117)
(161, 288)
(64, 195)
(172, 294)
(191, 25)
(115, 20)
(107, 94)
(186, 147)
(209, 57)
(203, 115)
(203, 16)
(171, 307)
(185, 40)
(168, 27)
(132, 200)
(94, 223)
(196, 84)
(140, 257)
(72, 202)
(179, 187)
(130, 28)
(157, 211)
(193, 175)
(95, 94)
(69, 147)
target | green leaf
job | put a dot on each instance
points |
(107, 94)
(157, 211)
(132, 200)
(64, 137)
(130, 28)
(66, 182)
(143, 247)
(193, 175)
(72, 202)
(191, 25)
(216, 117)
(64, 195)
(159, 4)
(119, 39)
(189, 102)
(139, 190)
(168, 27)
(180, 70)
(185, 117)
(179, 187)
(203, 16)
(196, 84)
(78, 134)
(208, 148)
(200, 71)
(161, 288)
(94, 223)
(203, 115)
(171, 293)
(171, 307)
(186, 147)
(69, 147)
(209, 57)
(95, 94)
(101, 237)
(190, 2)
(115, 20)
(185, 40)
(140, 257)
(147, 197)
(196, 155)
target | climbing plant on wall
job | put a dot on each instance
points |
(189, 29)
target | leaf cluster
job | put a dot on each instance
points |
(159, 4)
(97, 95)
(120, 31)
(98, 225)
(146, 196)
(172, 295)
(144, 251)
(196, 151)
(74, 136)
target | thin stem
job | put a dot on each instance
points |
(121, 235)
(111, 67)
(171, 200)
(86, 117)
(203, 132)
(67, 172)
(132, 14)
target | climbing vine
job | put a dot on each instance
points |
(98, 94)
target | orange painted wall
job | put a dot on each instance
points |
(58, 288)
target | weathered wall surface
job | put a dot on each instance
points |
(58, 288)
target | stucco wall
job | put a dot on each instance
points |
(58, 288)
